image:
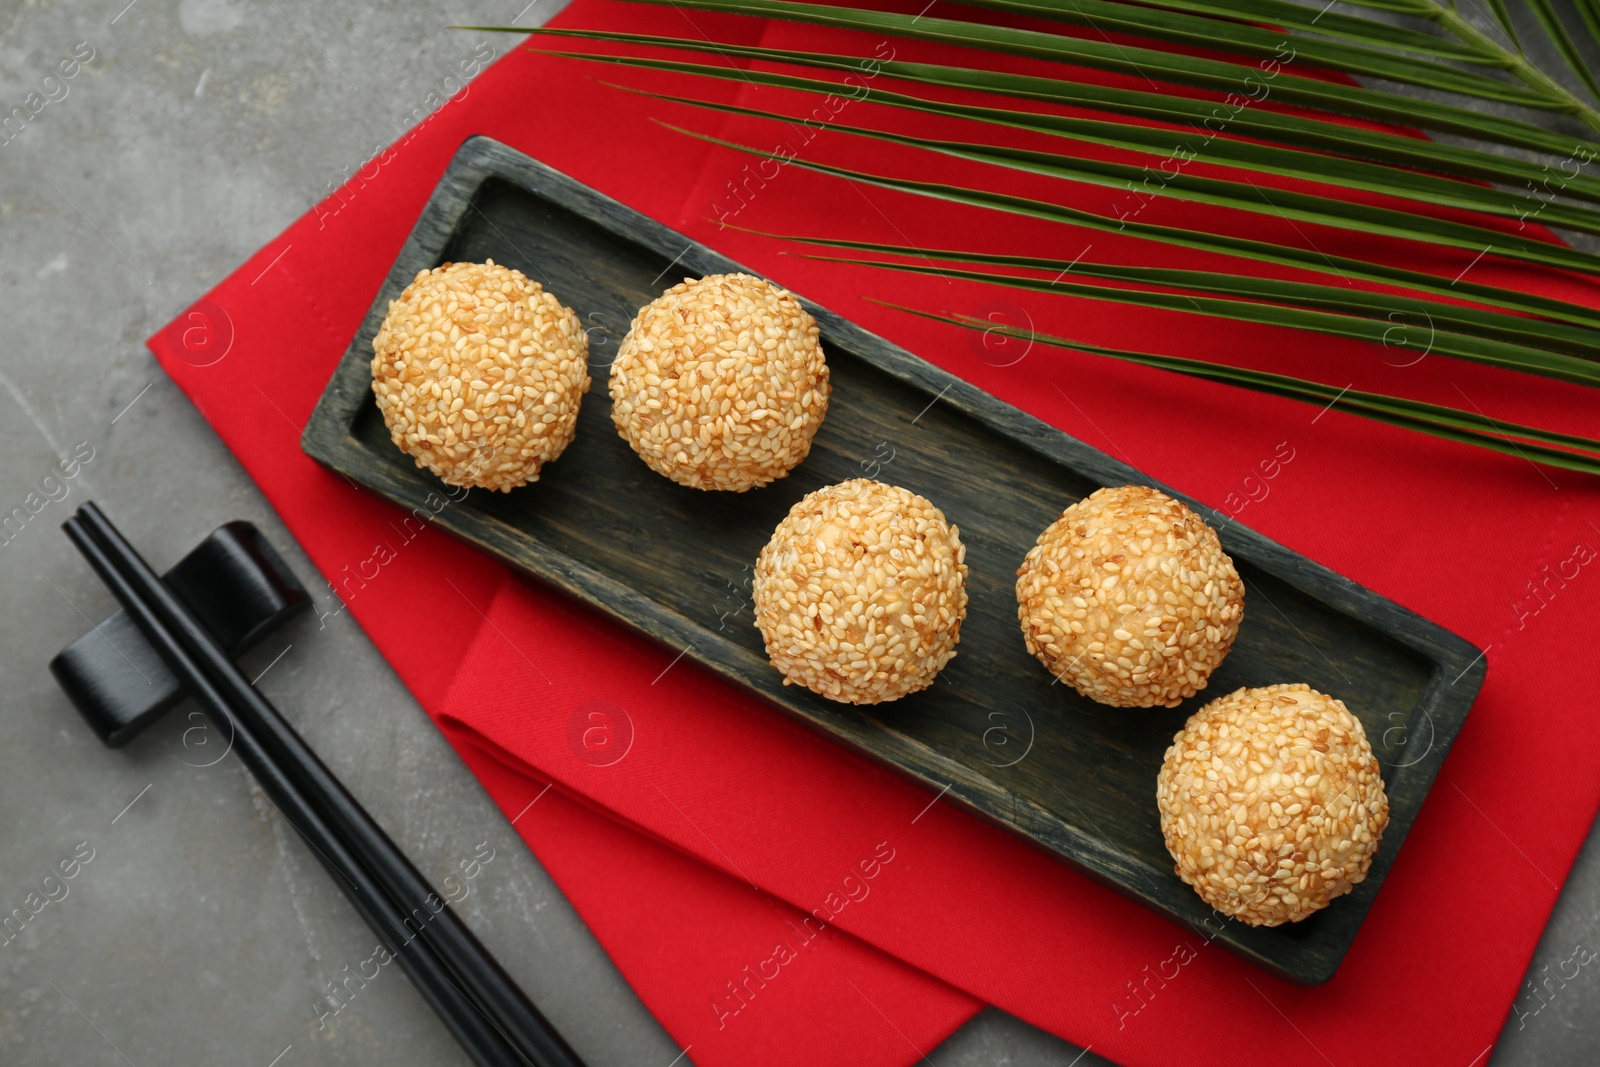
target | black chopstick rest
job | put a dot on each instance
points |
(234, 582)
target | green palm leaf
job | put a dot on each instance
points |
(1541, 446)
(1248, 155)
(1288, 204)
(1589, 12)
(1258, 251)
(1564, 43)
(1279, 128)
(1180, 27)
(1420, 8)
(1521, 67)
(1163, 23)
(1321, 20)
(1396, 312)
(1445, 342)
(1503, 17)
(1285, 88)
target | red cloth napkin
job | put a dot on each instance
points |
(696, 829)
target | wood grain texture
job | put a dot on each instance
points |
(1074, 777)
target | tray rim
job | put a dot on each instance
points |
(1457, 666)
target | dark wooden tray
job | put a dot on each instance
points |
(1075, 777)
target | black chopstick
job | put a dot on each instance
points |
(471, 1029)
(479, 973)
(369, 856)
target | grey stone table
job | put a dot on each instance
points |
(202, 930)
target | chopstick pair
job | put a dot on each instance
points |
(484, 1009)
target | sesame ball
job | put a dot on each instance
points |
(861, 592)
(479, 371)
(1129, 598)
(720, 383)
(1272, 803)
